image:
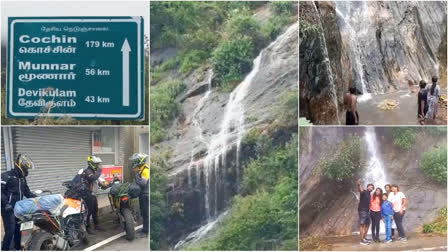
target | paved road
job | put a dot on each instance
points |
(121, 244)
(109, 223)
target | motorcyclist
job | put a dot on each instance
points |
(14, 188)
(91, 175)
(141, 170)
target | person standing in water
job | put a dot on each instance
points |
(375, 213)
(351, 107)
(422, 101)
(433, 99)
(363, 211)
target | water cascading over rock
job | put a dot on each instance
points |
(378, 47)
(374, 172)
(214, 171)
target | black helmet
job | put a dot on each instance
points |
(24, 163)
(138, 159)
(94, 162)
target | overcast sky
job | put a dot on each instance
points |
(71, 8)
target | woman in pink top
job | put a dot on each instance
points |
(375, 213)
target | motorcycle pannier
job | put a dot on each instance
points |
(49, 203)
(133, 190)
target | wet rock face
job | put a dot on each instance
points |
(318, 95)
(200, 123)
(375, 46)
(396, 42)
(330, 208)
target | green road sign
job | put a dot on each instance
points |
(83, 67)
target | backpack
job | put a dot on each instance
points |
(79, 187)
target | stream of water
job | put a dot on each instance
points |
(343, 11)
(375, 173)
(230, 135)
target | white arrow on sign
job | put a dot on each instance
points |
(125, 49)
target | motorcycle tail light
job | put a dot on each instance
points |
(125, 198)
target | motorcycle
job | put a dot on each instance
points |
(62, 231)
(123, 206)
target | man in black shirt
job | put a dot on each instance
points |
(363, 211)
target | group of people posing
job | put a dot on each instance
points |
(14, 188)
(428, 101)
(376, 205)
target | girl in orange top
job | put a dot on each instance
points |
(375, 213)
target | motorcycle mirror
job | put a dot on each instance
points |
(80, 171)
(38, 191)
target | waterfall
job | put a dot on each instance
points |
(231, 132)
(201, 232)
(353, 37)
(196, 121)
(375, 173)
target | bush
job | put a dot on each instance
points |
(282, 7)
(163, 107)
(404, 137)
(439, 225)
(192, 59)
(266, 217)
(264, 172)
(274, 26)
(242, 23)
(434, 164)
(233, 58)
(345, 161)
(159, 209)
(263, 221)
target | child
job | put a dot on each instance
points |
(387, 212)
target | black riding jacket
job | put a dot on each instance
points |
(91, 176)
(14, 187)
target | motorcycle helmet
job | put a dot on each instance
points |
(138, 159)
(24, 163)
(94, 162)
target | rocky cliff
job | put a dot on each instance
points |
(205, 141)
(330, 208)
(376, 46)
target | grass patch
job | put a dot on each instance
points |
(439, 225)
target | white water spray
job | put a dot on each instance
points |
(375, 173)
(232, 131)
(353, 36)
(375, 169)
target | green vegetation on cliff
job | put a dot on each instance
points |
(439, 225)
(345, 161)
(434, 164)
(224, 36)
(159, 208)
(404, 137)
(163, 107)
(264, 217)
